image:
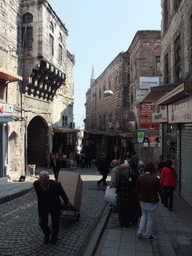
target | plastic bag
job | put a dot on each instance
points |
(110, 195)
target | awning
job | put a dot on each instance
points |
(155, 93)
(128, 134)
(176, 94)
(9, 76)
(65, 130)
(106, 133)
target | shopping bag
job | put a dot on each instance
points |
(110, 195)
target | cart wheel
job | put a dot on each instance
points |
(78, 216)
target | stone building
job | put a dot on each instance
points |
(144, 58)
(34, 47)
(174, 105)
(112, 122)
(104, 114)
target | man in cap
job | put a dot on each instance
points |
(48, 195)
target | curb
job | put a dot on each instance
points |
(95, 239)
(15, 195)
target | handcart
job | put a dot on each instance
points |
(73, 186)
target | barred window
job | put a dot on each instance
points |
(51, 44)
(60, 38)
(60, 53)
(178, 68)
(27, 37)
(166, 69)
(165, 14)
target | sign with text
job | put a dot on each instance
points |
(145, 121)
(181, 112)
(148, 82)
(140, 94)
(6, 113)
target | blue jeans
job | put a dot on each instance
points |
(147, 222)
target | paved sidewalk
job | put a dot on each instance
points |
(173, 231)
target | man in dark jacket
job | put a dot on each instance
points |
(48, 195)
(56, 165)
(103, 167)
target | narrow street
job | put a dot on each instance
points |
(21, 235)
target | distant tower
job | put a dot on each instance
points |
(92, 76)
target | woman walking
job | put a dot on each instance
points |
(168, 180)
(147, 189)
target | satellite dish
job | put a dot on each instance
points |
(107, 93)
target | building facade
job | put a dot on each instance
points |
(173, 106)
(34, 46)
(116, 119)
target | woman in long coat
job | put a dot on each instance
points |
(129, 208)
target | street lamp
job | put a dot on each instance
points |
(107, 93)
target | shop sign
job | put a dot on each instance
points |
(140, 94)
(6, 113)
(160, 114)
(148, 82)
(180, 112)
(146, 118)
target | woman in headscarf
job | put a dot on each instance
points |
(129, 209)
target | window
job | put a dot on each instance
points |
(166, 69)
(60, 38)
(109, 85)
(103, 88)
(157, 65)
(27, 37)
(60, 53)
(64, 121)
(27, 31)
(51, 44)
(116, 82)
(99, 93)
(178, 69)
(27, 18)
(165, 14)
(51, 26)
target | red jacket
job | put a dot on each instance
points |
(168, 177)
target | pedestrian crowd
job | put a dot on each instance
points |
(138, 190)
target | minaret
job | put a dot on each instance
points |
(92, 76)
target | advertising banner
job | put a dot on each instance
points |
(146, 118)
(148, 82)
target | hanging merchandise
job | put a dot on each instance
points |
(152, 141)
(146, 142)
(140, 137)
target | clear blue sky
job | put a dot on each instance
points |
(98, 32)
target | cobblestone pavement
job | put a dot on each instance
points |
(21, 235)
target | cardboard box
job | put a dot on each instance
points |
(73, 186)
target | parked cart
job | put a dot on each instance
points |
(73, 186)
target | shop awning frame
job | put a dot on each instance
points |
(155, 93)
(9, 76)
(180, 92)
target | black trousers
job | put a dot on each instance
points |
(103, 179)
(56, 173)
(43, 222)
(168, 196)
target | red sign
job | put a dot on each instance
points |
(145, 110)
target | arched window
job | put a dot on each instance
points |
(27, 18)
(27, 31)
(51, 26)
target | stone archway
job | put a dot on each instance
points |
(37, 141)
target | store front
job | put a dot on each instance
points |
(178, 136)
(6, 116)
(64, 143)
